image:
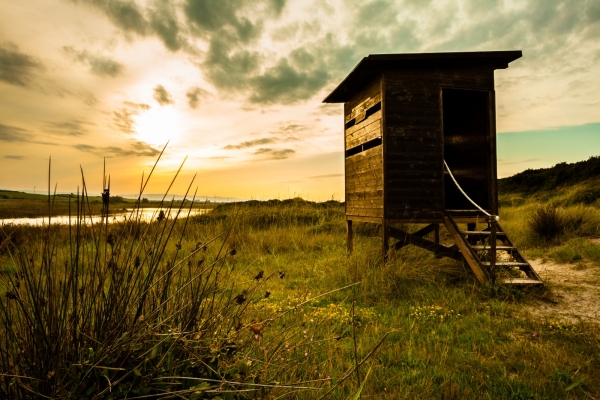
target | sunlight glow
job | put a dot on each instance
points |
(158, 125)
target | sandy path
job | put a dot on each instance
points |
(574, 292)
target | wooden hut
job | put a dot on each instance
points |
(404, 115)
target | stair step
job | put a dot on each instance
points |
(489, 247)
(520, 281)
(482, 233)
(507, 264)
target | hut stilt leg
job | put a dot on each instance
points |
(349, 238)
(385, 229)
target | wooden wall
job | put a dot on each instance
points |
(364, 170)
(413, 138)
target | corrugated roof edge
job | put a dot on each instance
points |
(375, 63)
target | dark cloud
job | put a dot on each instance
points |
(9, 133)
(250, 143)
(17, 68)
(318, 57)
(73, 127)
(99, 65)
(224, 16)
(195, 95)
(132, 148)
(162, 96)
(329, 109)
(163, 22)
(123, 118)
(285, 84)
(159, 19)
(14, 157)
(124, 14)
(274, 154)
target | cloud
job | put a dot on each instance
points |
(162, 96)
(99, 65)
(500, 161)
(309, 55)
(195, 96)
(163, 22)
(132, 148)
(14, 157)
(159, 19)
(273, 154)
(73, 127)
(250, 143)
(17, 68)
(124, 14)
(14, 134)
(123, 118)
(330, 109)
(325, 176)
(286, 84)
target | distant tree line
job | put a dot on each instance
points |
(545, 179)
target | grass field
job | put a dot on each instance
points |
(249, 307)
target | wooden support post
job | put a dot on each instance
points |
(349, 238)
(436, 237)
(385, 232)
(471, 226)
(493, 229)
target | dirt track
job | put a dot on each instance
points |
(574, 292)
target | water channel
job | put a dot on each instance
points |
(144, 214)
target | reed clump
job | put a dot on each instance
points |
(130, 309)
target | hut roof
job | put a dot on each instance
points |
(369, 67)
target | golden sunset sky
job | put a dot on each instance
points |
(237, 87)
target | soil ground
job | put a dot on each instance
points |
(573, 292)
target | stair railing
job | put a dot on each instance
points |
(492, 221)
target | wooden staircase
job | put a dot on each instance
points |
(481, 251)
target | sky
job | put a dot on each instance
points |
(236, 87)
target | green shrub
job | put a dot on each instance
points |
(547, 222)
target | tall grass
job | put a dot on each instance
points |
(132, 309)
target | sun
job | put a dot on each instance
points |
(158, 125)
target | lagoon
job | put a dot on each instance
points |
(144, 214)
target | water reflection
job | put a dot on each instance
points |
(145, 214)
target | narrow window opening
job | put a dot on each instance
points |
(372, 110)
(364, 147)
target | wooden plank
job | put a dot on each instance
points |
(366, 212)
(466, 251)
(361, 218)
(349, 238)
(506, 264)
(370, 90)
(367, 163)
(493, 163)
(362, 156)
(372, 131)
(385, 233)
(439, 250)
(373, 210)
(520, 281)
(360, 110)
(364, 180)
(468, 78)
(373, 119)
(357, 202)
